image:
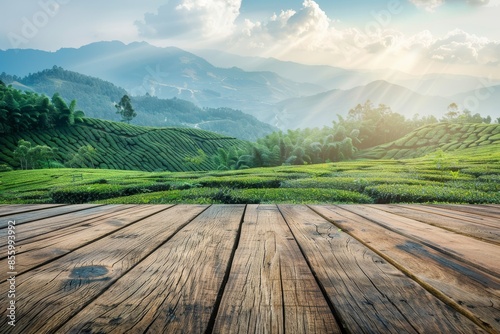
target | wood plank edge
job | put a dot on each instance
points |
(222, 288)
(342, 324)
(456, 231)
(438, 294)
(55, 214)
(103, 290)
(94, 240)
(424, 241)
(49, 206)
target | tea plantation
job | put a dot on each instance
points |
(444, 136)
(125, 147)
(469, 175)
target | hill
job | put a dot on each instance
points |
(125, 147)
(164, 72)
(339, 78)
(97, 98)
(434, 137)
(316, 110)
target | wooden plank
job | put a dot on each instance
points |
(478, 231)
(35, 215)
(483, 210)
(59, 222)
(462, 216)
(473, 292)
(49, 246)
(174, 290)
(57, 291)
(7, 210)
(369, 294)
(460, 247)
(270, 288)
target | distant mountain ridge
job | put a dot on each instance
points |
(324, 107)
(97, 97)
(283, 94)
(164, 72)
(332, 77)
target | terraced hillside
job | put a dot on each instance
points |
(126, 147)
(434, 137)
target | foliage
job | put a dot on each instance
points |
(97, 97)
(378, 125)
(473, 176)
(110, 145)
(25, 111)
(435, 138)
(295, 147)
(86, 154)
(33, 157)
(455, 115)
(125, 110)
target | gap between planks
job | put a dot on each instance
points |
(449, 282)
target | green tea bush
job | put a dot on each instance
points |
(299, 196)
(88, 193)
(397, 193)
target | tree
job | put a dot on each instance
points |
(125, 109)
(22, 153)
(86, 154)
(40, 154)
(66, 115)
(33, 157)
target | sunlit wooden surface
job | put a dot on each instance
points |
(253, 269)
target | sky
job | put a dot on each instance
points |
(413, 36)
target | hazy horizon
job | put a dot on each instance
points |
(412, 36)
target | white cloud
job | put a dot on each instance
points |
(304, 28)
(310, 29)
(460, 47)
(428, 5)
(431, 5)
(197, 19)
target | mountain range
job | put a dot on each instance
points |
(283, 94)
(164, 72)
(97, 98)
(331, 77)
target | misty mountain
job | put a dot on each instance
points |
(483, 100)
(164, 72)
(338, 78)
(97, 98)
(319, 110)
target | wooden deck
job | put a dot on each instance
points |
(253, 269)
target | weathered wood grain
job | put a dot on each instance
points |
(370, 295)
(24, 217)
(7, 210)
(59, 222)
(46, 247)
(174, 290)
(482, 210)
(475, 230)
(270, 288)
(462, 216)
(57, 291)
(463, 248)
(473, 292)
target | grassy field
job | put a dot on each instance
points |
(470, 175)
